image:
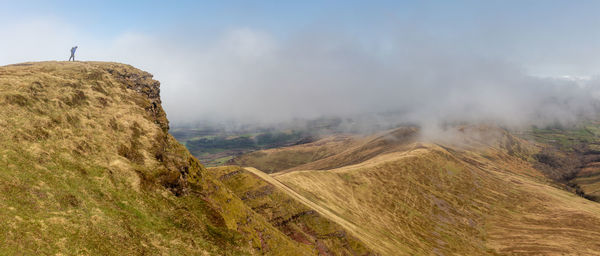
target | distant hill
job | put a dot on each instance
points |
(482, 191)
(216, 143)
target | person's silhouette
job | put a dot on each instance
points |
(73, 53)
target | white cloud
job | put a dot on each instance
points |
(248, 75)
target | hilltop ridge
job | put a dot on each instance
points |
(475, 191)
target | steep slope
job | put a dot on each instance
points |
(87, 167)
(299, 222)
(477, 194)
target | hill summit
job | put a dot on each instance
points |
(87, 166)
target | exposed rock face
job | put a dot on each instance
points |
(142, 83)
(179, 166)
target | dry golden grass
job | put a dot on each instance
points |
(289, 214)
(478, 194)
(279, 159)
(329, 152)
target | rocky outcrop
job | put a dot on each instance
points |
(142, 83)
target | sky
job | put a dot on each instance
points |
(515, 62)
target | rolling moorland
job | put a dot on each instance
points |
(485, 191)
(88, 167)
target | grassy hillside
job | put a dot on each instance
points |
(87, 167)
(280, 159)
(571, 155)
(298, 221)
(330, 152)
(478, 194)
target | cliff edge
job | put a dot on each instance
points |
(87, 166)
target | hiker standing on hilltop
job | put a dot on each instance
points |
(73, 53)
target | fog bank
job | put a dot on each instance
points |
(250, 76)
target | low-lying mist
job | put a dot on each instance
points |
(252, 78)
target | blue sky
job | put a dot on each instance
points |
(538, 34)
(298, 51)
